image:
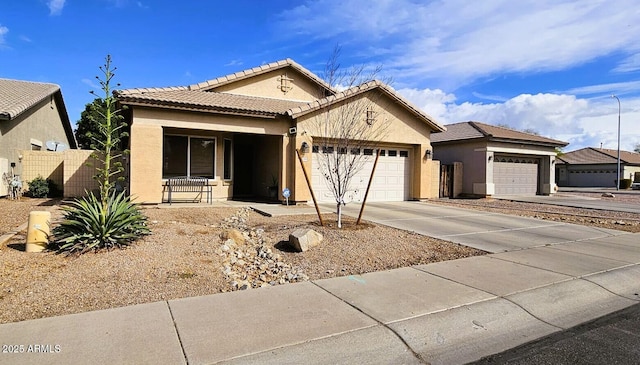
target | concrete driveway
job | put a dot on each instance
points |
(575, 201)
(491, 232)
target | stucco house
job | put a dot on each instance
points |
(242, 131)
(595, 167)
(31, 114)
(497, 160)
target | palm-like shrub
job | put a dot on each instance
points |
(89, 225)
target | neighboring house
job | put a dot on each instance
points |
(31, 114)
(242, 132)
(595, 167)
(498, 161)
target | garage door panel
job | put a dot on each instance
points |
(516, 178)
(390, 183)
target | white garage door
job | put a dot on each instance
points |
(391, 182)
(515, 176)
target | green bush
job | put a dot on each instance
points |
(625, 183)
(88, 225)
(39, 187)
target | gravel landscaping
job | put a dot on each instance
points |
(184, 257)
(189, 254)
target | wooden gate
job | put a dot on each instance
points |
(446, 181)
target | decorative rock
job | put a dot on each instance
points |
(303, 239)
(233, 234)
(253, 264)
(608, 195)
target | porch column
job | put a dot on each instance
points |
(145, 163)
(300, 192)
(426, 173)
(488, 187)
(548, 171)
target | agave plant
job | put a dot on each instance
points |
(90, 225)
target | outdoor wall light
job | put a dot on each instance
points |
(427, 154)
(490, 158)
(305, 147)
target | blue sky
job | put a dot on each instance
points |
(550, 66)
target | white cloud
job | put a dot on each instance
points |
(581, 122)
(3, 31)
(91, 83)
(458, 40)
(55, 6)
(234, 63)
(612, 88)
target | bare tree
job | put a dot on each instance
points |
(348, 127)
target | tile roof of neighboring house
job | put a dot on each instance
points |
(594, 156)
(17, 96)
(476, 130)
(356, 90)
(210, 85)
(211, 101)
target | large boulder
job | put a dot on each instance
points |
(302, 239)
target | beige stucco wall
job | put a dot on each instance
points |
(269, 85)
(402, 130)
(477, 159)
(39, 124)
(402, 127)
(277, 146)
(146, 149)
(145, 163)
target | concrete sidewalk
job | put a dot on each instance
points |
(442, 313)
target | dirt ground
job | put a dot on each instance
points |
(182, 258)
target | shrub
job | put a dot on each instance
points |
(89, 225)
(39, 187)
(624, 183)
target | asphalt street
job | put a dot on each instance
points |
(612, 339)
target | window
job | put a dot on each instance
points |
(315, 149)
(368, 152)
(342, 150)
(393, 153)
(227, 160)
(382, 152)
(404, 153)
(188, 156)
(327, 149)
(355, 151)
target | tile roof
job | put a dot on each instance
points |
(210, 85)
(357, 90)
(477, 130)
(17, 96)
(594, 156)
(211, 101)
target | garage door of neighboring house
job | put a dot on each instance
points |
(515, 175)
(391, 181)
